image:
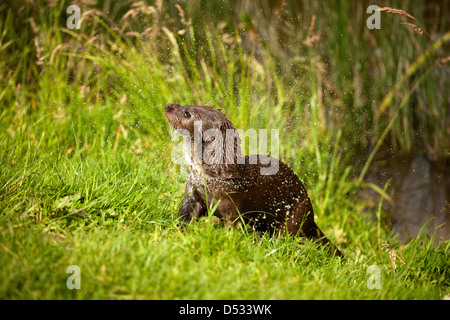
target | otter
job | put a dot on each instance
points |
(237, 186)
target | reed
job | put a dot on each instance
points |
(217, 58)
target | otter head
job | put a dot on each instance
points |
(213, 137)
(184, 117)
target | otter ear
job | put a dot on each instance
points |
(225, 124)
(214, 107)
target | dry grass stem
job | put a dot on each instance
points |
(397, 11)
(414, 27)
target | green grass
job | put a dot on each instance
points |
(114, 216)
(86, 176)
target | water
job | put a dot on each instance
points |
(421, 192)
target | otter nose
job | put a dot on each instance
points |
(170, 107)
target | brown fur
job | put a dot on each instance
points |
(277, 203)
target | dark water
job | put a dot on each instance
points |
(421, 192)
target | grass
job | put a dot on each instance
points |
(86, 176)
(115, 217)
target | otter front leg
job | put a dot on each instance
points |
(192, 205)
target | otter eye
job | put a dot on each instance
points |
(187, 114)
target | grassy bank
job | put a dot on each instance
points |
(115, 218)
(87, 179)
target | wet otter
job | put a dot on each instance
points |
(250, 189)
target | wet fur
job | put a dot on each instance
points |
(275, 203)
